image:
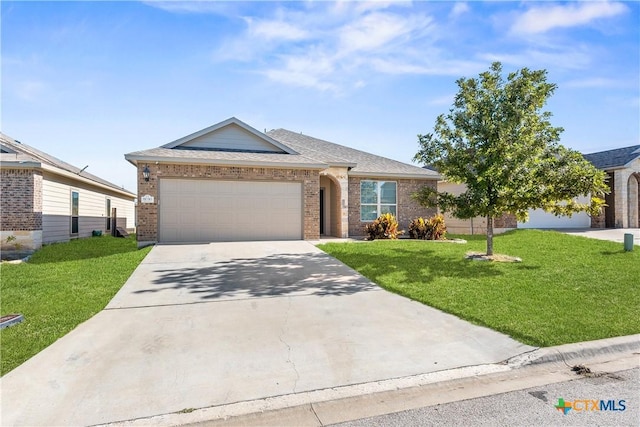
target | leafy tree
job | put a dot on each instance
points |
(497, 141)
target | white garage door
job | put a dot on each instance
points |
(210, 211)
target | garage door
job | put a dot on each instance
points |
(210, 211)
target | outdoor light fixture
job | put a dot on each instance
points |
(146, 173)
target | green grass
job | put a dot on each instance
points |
(62, 285)
(567, 289)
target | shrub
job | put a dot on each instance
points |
(384, 227)
(418, 229)
(433, 228)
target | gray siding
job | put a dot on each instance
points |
(232, 137)
(56, 209)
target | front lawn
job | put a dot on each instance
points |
(567, 289)
(62, 285)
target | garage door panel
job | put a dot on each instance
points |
(203, 211)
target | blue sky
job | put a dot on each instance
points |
(91, 81)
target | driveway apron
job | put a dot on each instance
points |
(205, 325)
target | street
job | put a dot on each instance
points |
(534, 406)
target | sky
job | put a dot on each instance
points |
(89, 82)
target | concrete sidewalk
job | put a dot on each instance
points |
(200, 326)
(611, 234)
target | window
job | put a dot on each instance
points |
(377, 198)
(75, 200)
(108, 215)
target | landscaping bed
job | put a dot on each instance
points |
(61, 286)
(566, 289)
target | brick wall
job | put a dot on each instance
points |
(505, 221)
(147, 227)
(598, 221)
(21, 201)
(407, 208)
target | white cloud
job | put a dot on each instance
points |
(571, 58)
(376, 30)
(275, 30)
(195, 7)
(320, 48)
(542, 19)
(621, 82)
(311, 70)
(365, 6)
(428, 66)
(460, 8)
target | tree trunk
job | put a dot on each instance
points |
(489, 235)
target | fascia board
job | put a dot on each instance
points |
(394, 175)
(224, 162)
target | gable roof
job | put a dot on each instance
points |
(22, 155)
(270, 144)
(290, 150)
(613, 159)
(361, 162)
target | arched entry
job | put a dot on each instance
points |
(633, 196)
(330, 209)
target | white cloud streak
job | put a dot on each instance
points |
(460, 8)
(538, 20)
(337, 46)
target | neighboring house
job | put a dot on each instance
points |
(231, 182)
(623, 202)
(622, 166)
(477, 225)
(46, 200)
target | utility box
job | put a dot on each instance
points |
(628, 242)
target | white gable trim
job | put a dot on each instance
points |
(227, 122)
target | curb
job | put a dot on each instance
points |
(579, 350)
(377, 398)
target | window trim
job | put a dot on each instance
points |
(107, 203)
(77, 214)
(378, 203)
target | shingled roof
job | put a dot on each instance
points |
(361, 162)
(612, 159)
(23, 153)
(291, 150)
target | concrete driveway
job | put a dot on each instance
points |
(205, 325)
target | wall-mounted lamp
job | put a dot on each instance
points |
(146, 173)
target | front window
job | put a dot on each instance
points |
(377, 198)
(75, 205)
(108, 215)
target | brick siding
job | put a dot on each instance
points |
(407, 208)
(598, 221)
(21, 201)
(505, 221)
(147, 227)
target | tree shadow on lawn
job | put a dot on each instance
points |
(274, 275)
(424, 266)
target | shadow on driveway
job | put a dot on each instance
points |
(273, 275)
